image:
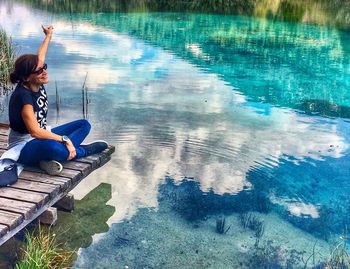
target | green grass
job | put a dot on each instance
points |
(7, 59)
(43, 252)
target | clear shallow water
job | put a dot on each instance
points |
(211, 115)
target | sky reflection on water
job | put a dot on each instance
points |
(170, 117)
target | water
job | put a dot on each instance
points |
(213, 116)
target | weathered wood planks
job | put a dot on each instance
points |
(25, 208)
(23, 195)
(35, 191)
(50, 189)
(11, 220)
(63, 182)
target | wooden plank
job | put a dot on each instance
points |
(24, 208)
(3, 230)
(104, 159)
(4, 131)
(10, 219)
(73, 174)
(3, 145)
(3, 138)
(22, 195)
(50, 189)
(98, 160)
(84, 168)
(67, 173)
(63, 182)
(93, 160)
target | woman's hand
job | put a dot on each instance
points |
(48, 30)
(71, 150)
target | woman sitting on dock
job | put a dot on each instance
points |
(27, 115)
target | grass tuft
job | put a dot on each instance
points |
(42, 251)
(7, 60)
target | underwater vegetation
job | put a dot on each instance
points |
(339, 256)
(254, 223)
(221, 226)
(271, 255)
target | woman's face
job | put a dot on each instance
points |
(39, 76)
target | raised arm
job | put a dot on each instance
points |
(45, 44)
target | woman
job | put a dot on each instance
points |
(27, 115)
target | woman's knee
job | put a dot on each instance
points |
(84, 124)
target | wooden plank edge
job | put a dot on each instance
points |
(3, 230)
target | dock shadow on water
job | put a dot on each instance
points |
(88, 218)
(182, 233)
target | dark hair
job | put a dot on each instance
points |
(24, 66)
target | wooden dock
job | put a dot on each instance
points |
(35, 191)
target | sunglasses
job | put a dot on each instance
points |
(40, 70)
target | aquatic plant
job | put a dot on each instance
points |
(58, 99)
(7, 59)
(220, 226)
(253, 222)
(43, 251)
(339, 257)
(85, 98)
(270, 255)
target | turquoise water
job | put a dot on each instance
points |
(212, 117)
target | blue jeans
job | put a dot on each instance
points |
(38, 150)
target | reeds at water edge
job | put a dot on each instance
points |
(7, 59)
(85, 98)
